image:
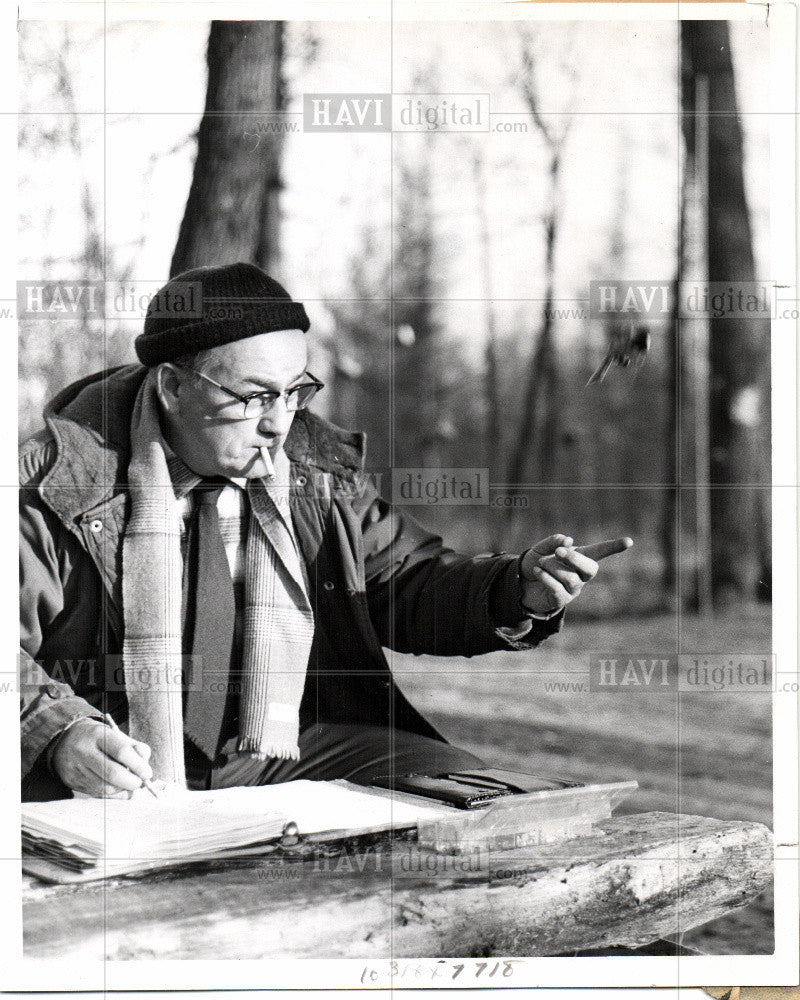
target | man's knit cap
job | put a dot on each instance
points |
(209, 306)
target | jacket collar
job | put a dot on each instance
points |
(90, 423)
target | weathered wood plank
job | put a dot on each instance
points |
(643, 877)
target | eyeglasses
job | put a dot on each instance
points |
(257, 404)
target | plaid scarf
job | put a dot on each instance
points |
(278, 621)
(277, 634)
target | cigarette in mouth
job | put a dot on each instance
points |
(266, 458)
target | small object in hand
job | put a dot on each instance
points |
(145, 784)
(628, 345)
(601, 550)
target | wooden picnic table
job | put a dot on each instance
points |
(638, 879)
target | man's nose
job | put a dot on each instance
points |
(277, 419)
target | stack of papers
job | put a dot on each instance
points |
(81, 839)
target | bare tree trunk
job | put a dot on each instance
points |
(548, 358)
(739, 348)
(542, 384)
(541, 387)
(494, 442)
(670, 528)
(231, 213)
(420, 403)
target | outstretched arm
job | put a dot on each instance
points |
(425, 598)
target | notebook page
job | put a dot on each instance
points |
(322, 806)
(145, 827)
(184, 823)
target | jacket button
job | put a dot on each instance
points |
(96, 526)
(301, 480)
(328, 585)
(53, 690)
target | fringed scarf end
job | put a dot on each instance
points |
(271, 751)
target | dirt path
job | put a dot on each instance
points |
(699, 753)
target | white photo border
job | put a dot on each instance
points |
(334, 974)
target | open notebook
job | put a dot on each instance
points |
(82, 839)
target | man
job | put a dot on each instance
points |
(207, 582)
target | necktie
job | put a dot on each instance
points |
(211, 613)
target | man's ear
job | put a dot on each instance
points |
(168, 386)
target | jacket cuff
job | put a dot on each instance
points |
(537, 630)
(51, 746)
(505, 605)
(47, 723)
(513, 625)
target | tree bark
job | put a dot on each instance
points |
(419, 391)
(494, 441)
(542, 384)
(231, 213)
(669, 528)
(542, 391)
(739, 348)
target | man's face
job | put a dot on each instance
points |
(205, 425)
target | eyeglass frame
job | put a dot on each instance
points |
(246, 399)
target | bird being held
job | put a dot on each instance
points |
(629, 343)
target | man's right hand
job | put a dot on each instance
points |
(93, 758)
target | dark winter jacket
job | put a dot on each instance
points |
(377, 578)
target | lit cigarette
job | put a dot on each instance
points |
(267, 460)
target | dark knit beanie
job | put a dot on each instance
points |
(209, 306)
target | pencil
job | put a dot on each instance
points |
(147, 784)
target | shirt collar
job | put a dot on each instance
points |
(183, 478)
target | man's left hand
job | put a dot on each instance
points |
(554, 571)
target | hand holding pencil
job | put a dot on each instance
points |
(143, 750)
(97, 759)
